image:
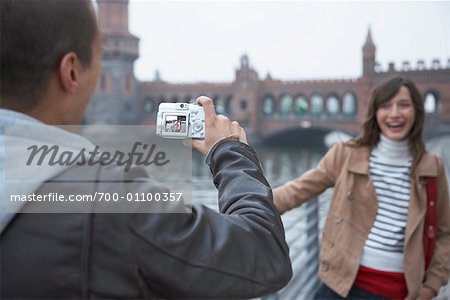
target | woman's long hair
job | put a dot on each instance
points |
(383, 93)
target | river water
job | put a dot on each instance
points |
(282, 164)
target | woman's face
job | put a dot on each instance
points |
(396, 117)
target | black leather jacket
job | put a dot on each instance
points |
(237, 253)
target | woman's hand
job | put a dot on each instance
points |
(426, 293)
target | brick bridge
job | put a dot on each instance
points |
(275, 109)
(267, 107)
(271, 108)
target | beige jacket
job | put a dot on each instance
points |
(353, 210)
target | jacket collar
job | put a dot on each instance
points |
(359, 160)
(428, 166)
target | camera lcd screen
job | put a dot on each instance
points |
(175, 124)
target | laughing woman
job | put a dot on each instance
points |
(372, 245)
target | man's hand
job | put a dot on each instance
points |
(425, 293)
(218, 128)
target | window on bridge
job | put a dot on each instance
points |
(430, 103)
(268, 105)
(243, 104)
(286, 105)
(349, 104)
(220, 109)
(301, 106)
(227, 105)
(333, 105)
(148, 105)
(316, 104)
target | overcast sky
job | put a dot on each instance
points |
(190, 41)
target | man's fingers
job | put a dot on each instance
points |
(235, 128)
(208, 107)
(218, 128)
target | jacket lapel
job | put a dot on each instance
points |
(360, 165)
(360, 161)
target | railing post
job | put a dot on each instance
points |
(302, 235)
(313, 247)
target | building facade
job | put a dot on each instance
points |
(264, 106)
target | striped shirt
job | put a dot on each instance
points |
(390, 177)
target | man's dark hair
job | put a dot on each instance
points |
(35, 35)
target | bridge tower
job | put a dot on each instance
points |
(245, 88)
(116, 98)
(367, 80)
(369, 50)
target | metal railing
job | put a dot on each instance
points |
(303, 227)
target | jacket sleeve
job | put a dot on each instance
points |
(438, 272)
(310, 184)
(238, 253)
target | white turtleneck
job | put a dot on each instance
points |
(389, 167)
(390, 151)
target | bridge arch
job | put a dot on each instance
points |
(431, 102)
(218, 104)
(317, 104)
(333, 105)
(228, 104)
(301, 105)
(349, 104)
(268, 105)
(286, 105)
(222, 104)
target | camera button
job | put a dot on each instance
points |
(198, 126)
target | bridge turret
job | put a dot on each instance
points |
(245, 71)
(115, 100)
(118, 42)
(369, 50)
(245, 90)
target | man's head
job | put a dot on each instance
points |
(49, 50)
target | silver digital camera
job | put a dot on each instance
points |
(180, 120)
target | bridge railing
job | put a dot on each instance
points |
(303, 227)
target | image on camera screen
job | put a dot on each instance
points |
(175, 124)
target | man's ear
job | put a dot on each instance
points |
(69, 72)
